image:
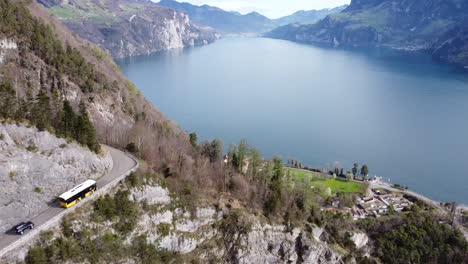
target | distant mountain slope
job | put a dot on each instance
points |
(435, 26)
(221, 20)
(129, 27)
(308, 17)
(234, 22)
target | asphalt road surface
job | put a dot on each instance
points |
(122, 165)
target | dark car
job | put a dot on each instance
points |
(21, 227)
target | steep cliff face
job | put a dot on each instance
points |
(36, 167)
(438, 27)
(130, 27)
(225, 234)
(221, 20)
(204, 234)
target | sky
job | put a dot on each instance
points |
(269, 8)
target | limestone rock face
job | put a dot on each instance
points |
(199, 233)
(181, 231)
(5, 46)
(36, 167)
(128, 28)
(151, 194)
(360, 239)
(274, 244)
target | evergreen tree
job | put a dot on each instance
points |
(355, 169)
(21, 110)
(275, 196)
(85, 133)
(213, 150)
(68, 120)
(41, 115)
(241, 153)
(256, 159)
(193, 139)
(7, 100)
(364, 170)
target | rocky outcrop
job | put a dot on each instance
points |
(274, 244)
(5, 46)
(151, 195)
(360, 239)
(36, 167)
(183, 232)
(140, 35)
(436, 27)
(199, 233)
(130, 27)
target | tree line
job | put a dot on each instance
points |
(60, 119)
(46, 109)
(36, 36)
(338, 170)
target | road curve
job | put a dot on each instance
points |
(123, 164)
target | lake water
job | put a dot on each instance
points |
(403, 115)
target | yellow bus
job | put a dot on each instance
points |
(71, 197)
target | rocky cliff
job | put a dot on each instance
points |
(36, 167)
(221, 20)
(130, 27)
(437, 27)
(205, 234)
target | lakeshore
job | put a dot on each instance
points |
(379, 197)
(395, 97)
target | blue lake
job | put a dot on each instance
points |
(403, 115)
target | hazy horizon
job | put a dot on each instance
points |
(269, 8)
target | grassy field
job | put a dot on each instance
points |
(85, 10)
(303, 175)
(316, 180)
(339, 186)
(66, 13)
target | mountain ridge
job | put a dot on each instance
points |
(234, 22)
(309, 16)
(436, 27)
(221, 20)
